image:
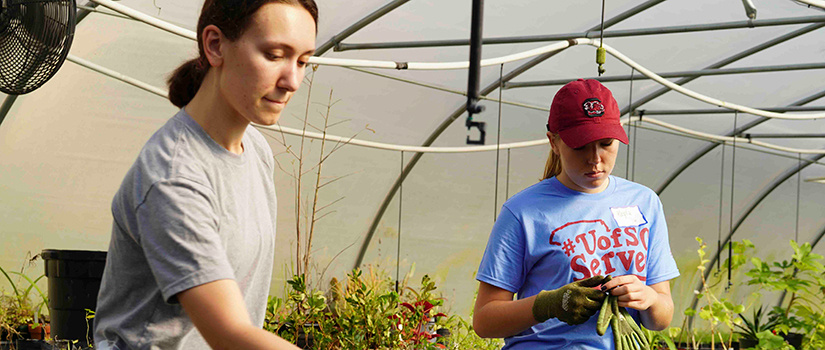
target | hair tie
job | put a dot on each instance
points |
(201, 64)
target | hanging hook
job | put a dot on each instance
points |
(482, 128)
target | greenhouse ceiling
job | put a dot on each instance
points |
(723, 112)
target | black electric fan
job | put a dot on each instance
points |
(35, 37)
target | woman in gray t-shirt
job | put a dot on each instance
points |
(191, 253)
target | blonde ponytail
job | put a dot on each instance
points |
(552, 167)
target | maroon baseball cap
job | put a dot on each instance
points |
(584, 111)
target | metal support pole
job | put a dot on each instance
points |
(782, 136)
(701, 153)
(7, 103)
(768, 44)
(727, 111)
(473, 107)
(588, 34)
(336, 39)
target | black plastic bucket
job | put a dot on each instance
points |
(74, 281)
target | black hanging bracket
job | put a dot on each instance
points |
(475, 68)
(482, 126)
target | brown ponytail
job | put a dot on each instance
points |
(185, 81)
(233, 18)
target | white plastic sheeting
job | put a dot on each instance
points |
(65, 148)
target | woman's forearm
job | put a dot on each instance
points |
(658, 316)
(502, 318)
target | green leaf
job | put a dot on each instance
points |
(739, 309)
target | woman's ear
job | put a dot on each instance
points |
(212, 45)
(553, 139)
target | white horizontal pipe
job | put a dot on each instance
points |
(817, 3)
(449, 65)
(486, 62)
(393, 147)
(341, 62)
(152, 21)
(490, 61)
(126, 79)
(727, 139)
(690, 93)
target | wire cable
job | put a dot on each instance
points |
(721, 202)
(798, 193)
(629, 103)
(635, 133)
(398, 247)
(507, 185)
(498, 141)
(627, 156)
(732, 188)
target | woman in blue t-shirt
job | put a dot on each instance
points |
(555, 243)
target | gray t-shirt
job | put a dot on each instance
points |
(188, 212)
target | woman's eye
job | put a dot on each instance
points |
(272, 57)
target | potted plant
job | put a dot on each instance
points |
(365, 312)
(719, 310)
(801, 277)
(21, 323)
(749, 331)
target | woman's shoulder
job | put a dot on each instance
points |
(172, 152)
(540, 192)
(626, 187)
(174, 149)
(259, 144)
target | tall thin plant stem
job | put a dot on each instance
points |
(300, 170)
(317, 185)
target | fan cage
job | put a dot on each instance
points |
(35, 38)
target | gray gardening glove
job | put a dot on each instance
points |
(573, 303)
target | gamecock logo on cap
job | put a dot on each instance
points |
(593, 107)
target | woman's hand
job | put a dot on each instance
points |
(654, 302)
(632, 292)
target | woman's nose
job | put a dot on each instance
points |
(290, 78)
(594, 155)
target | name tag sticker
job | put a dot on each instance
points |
(628, 216)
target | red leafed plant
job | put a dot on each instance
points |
(417, 314)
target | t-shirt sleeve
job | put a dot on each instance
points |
(178, 228)
(503, 262)
(660, 263)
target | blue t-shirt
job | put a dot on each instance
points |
(549, 235)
